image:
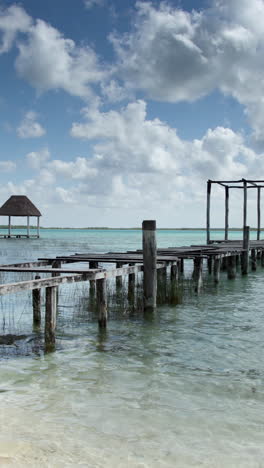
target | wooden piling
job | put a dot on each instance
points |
(197, 273)
(101, 302)
(150, 264)
(208, 211)
(50, 318)
(262, 258)
(244, 255)
(226, 212)
(174, 271)
(182, 266)
(209, 265)
(36, 303)
(93, 282)
(119, 278)
(231, 267)
(253, 260)
(258, 213)
(217, 264)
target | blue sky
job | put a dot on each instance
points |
(115, 111)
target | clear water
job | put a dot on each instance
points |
(183, 388)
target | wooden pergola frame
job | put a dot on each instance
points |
(242, 184)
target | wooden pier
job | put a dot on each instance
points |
(154, 262)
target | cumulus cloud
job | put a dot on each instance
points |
(63, 64)
(36, 159)
(174, 55)
(13, 20)
(29, 127)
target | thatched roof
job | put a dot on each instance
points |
(19, 205)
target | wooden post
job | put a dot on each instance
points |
(174, 271)
(150, 264)
(217, 263)
(231, 267)
(28, 226)
(50, 318)
(209, 265)
(36, 302)
(262, 258)
(224, 263)
(56, 264)
(131, 286)
(253, 260)
(93, 282)
(101, 302)
(244, 256)
(38, 226)
(9, 226)
(244, 209)
(208, 211)
(119, 278)
(161, 285)
(258, 214)
(197, 273)
(226, 212)
(182, 265)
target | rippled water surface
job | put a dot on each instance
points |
(181, 388)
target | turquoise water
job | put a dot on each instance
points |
(183, 388)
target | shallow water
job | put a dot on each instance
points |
(182, 388)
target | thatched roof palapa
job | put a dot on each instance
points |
(19, 205)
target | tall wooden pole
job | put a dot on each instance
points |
(245, 253)
(258, 213)
(150, 264)
(244, 210)
(208, 211)
(101, 302)
(226, 212)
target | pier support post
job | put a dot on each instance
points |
(197, 273)
(244, 256)
(258, 213)
(101, 302)
(131, 286)
(262, 258)
(174, 271)
(36, 303)
(217, 264)
(119, 278)
(150, 264)
(253, 260)
(50, 318)
(208, 211)
(231, 267)
(93, 282)
(226, 212)
(209, 265)
(182, 266)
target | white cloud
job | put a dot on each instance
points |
(63, 64)
(79, 169)
(13, 20)
(91, 3)
(29, 127)
(7, 166)
(173, 55)
(36, 159)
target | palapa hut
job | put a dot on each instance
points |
(20, 205)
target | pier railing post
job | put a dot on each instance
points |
(36, 303)
(209, 184)
(150, 264)
(101, 302)
(244, 256)
(50, 318)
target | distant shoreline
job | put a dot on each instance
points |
(124, 229)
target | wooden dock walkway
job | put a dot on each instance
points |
(153, 262)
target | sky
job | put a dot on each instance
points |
(115, 111)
